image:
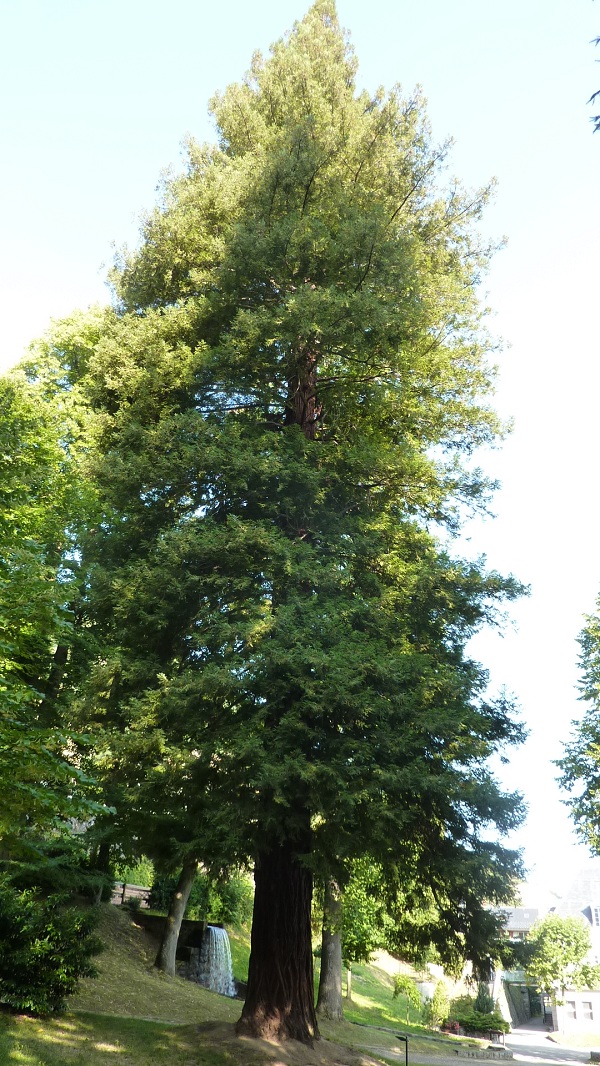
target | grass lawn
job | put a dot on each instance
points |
(372, 1001)
(132, 1015)
(128, 983)
(100, 1040)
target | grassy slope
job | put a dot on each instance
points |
(128, 983)
(125, 1017)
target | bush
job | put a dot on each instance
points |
(135, 873)
(235, 901)
(45, 947)
(450, 1026)
(462, 1005)
(476, 1022)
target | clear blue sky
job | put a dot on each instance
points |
(97, 96)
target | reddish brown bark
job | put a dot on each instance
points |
(303, 408)
(280, 998)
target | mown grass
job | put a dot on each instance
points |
(128, 983)
(132, 1015)
(239, 941)
(99, 1040)
(373, 1002)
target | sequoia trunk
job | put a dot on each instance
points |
(165, 960)
(302, 407)
(329, 1000)
(280, 999)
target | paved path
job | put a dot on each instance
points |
(529, 1044)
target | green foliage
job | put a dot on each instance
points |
(484, 1001)
(236, 898)
(284, 405)
(442, 919)
(227, 901)
(434, 1010)
(581, 763)
(364, 913)
(45, 947)
(137, 873)
(559, 947)
(57, 862)
(41, 505)
(406, 986)
(472, 1021)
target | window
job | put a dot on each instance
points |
(587, 1009)
(571, 1009)
(596, 916)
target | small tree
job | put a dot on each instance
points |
(440, 1004)
(405, 986)
(484, 1002)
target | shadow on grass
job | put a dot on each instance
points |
(97, 1040)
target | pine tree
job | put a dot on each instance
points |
(286, 402)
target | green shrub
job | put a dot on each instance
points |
(233, 901)
(476, 1022)
(462, 1005)
(135, 873)
(436, 1009)
(45, 947)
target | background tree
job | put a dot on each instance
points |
(580, 765)
(286, 401)
(559, 947)
(329, 996)
(484, 1002)
(41, 504)
(365, 917)
(355, 920)
(45, 941)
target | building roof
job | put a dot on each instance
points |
(519, 919)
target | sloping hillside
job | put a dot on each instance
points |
(128, 984)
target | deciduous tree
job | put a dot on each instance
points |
(559, 948)
(40, 506)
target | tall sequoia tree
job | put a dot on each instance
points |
(287, 398)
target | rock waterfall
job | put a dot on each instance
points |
(210, 965)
